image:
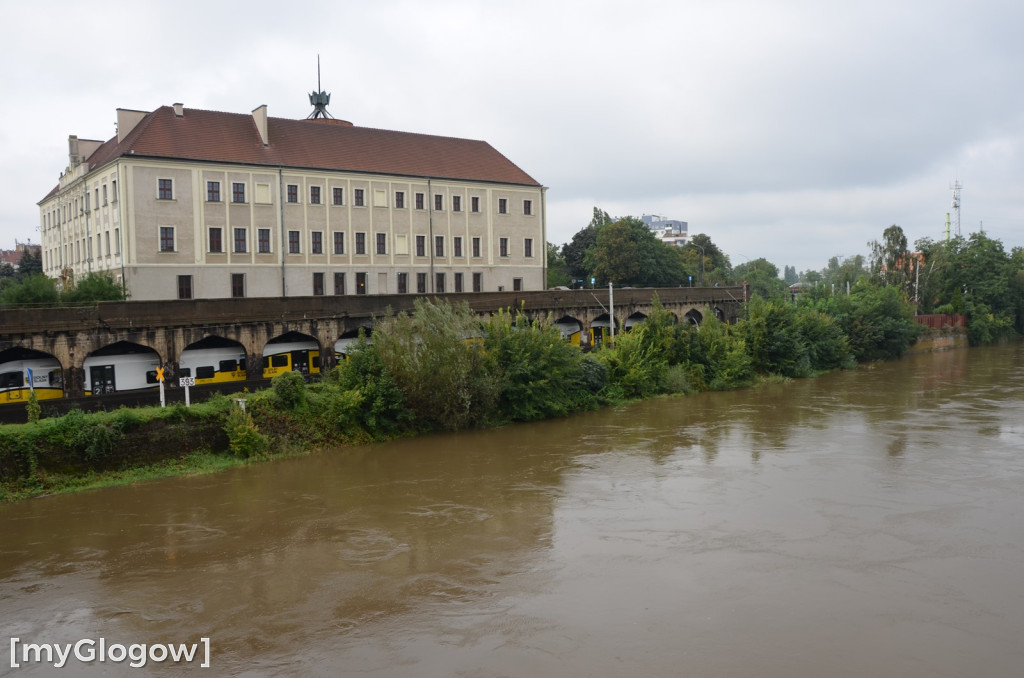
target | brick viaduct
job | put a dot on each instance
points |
(70, 334)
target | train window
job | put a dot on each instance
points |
(205, 372)
(316, 361)
(266, 361)
(280, 360)
(151, 377)
(228, 365)
(56, 377)
(10, 380)
(184, 371)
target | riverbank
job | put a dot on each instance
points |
(427, 372)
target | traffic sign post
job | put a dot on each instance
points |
(160, 378)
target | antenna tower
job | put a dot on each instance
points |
(955, 187)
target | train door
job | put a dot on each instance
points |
(300, 361)
(101, 378)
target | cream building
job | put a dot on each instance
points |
(187, 203)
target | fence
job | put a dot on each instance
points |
(937, 321)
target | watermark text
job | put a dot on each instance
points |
(89, 650)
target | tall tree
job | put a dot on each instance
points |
(891, 263)
(575, 251)
(627, 253)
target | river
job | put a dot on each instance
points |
(864, 523)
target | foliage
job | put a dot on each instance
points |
(382, 411)
(891, 263)
(29, 290)
(773, 339)
(33, 408)
(877, 321)
(558, 269)
(540, 374)
(289, 390)
(575, 251)
(436, 359)
(762, 277)
(94, 287)
(31, 263)
(628, 253)
(244, 439)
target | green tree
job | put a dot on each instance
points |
(31, 263)
(762, 277)
(94, 287)
(790, 275)
(575, 251)
(891, 263)
(558, 269)
(31, 289)
(628, 253)
(704, 258)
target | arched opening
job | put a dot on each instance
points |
(694, 317)
(570, 328)
(292, 351)
(23, 370)
(121, 366)
(347, 340)
(600, 330)
(634, 320)
(213, 360)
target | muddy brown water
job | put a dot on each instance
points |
(865, 523)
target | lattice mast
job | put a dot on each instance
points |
(955, 187)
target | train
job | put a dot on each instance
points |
(121, 367)
(23, 370)
(291, 354)
(213, 361)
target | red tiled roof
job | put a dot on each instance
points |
(310, 144)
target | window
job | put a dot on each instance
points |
(399, 200)
(502, 206)
(216, 242)
(360, 243)
(517, 284)
(360, 283)
(104, 194)
(166, 238)
(237, 192)
(478, 282)
(359, 200)
(263, 240)
(527, 207)
(263, 194)
(318, 284)
(438, 245)
(456, 203)
(439, 283)
(212, 192)
(314, 195)
(293, 242)
(476, 247)
(382, 243)
(502, 247)
(339, 196)
(113, 191)
(403, 283)
(339, 284)
(438, 202)
(184, 287)
(241, 236)
(316, 244)
(293, 192)
(474, 204)
(237, 285)
(339, 242)
(419, 201)
(421, 283)
(528, 247)
(117, 240)
(165, 189)
(421, 246)
(458, 282)
(457, 246)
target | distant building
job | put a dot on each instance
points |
(187, 203)
(13, 257)
(669, 231)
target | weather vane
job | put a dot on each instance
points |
(319, 99)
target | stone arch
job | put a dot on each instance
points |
(18, 363)
(213, 359)
(633, 320)
(121, 366)
(600, 329)
(694, 317)
(291, 351)
(570, 328)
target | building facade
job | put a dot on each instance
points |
(669, 231)
(188, 203)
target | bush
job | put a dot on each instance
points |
(289, 390)
(244, 439)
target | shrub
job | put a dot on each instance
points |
(289, 390)
(244, 439)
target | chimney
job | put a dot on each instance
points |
(259, 116)
(179, 110)
(73, 158)
(126, 122)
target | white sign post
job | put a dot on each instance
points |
(186, 382)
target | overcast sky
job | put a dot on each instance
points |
(785, 129)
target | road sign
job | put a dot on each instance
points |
(186, 381)
(160, 374)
